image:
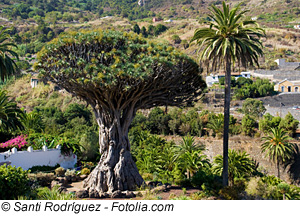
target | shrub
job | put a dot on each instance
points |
(271, 187)
(60, 171)
(233, 192)
(43, 168)
(18, 142)
(55, 193)
(41, 179)
(71, 175)
(14, 182)
(85, 171)
(69, 146)
(248, 125)
(209, 182)
(70, 172)
(176, 39)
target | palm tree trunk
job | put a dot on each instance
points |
(226, 119)
(278, 169)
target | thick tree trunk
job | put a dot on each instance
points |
(116, 169)
(226, 119)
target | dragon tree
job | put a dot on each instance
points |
(118, 73)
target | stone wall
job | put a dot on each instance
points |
(280, 74)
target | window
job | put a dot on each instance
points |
(282, 88)
(296, 89)
(289, 89)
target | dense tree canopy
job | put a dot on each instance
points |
(120, 62)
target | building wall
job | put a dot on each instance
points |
(30, 158)
(286, 85)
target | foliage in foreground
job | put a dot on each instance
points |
(14, 182)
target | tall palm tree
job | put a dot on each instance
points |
(7, 64)
(277, 147)
(231, 39)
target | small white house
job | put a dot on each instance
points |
(214, 78)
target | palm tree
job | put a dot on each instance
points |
(7, 64)
(240, 164)
(277, 147)
(190, 157)
(33, 122)
(216, 124)
(231, 39)
(10, 114)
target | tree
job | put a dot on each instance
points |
(248, 125)
(289, 124)
(277, 147)
(33, 122)
(253, 107)
(117, 74)
(230, 39)
(240, 165)
(176, 39)
(189, 156)
(136, 28)
(216, 124)
(10, 114)
(7, 64)
(144, 32)
(268, 121)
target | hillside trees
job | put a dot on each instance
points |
(117, 74)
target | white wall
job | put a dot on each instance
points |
(30, 158)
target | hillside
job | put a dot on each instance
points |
(268, 11)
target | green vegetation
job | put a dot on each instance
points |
(277, 147)
(128, 69)
(240, 165)
(13, 182)
(7, 65)
(253, 108)
(246, 88)
(10, 115)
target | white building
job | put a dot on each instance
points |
(214, 78)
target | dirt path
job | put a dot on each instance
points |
(172, 192)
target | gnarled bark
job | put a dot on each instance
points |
(116, 169)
